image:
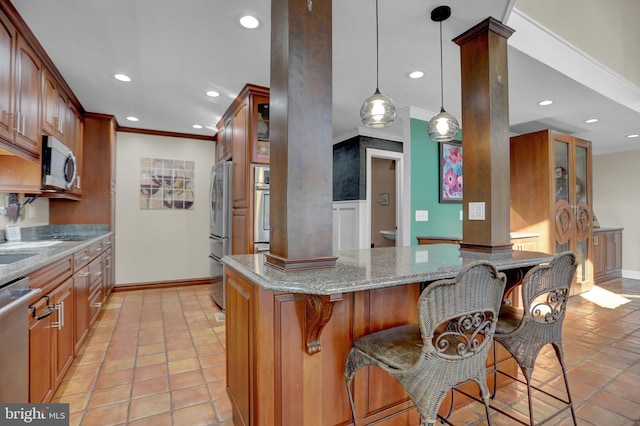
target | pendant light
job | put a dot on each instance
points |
(443, 127)
(378, 110)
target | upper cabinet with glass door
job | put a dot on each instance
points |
(261, 151)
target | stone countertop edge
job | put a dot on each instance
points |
(44, 256)
(512, 235)
(371, 269)
(608, 228)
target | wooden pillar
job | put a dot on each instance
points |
(485, 135)
(301, 222)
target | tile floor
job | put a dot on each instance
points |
(156, 357)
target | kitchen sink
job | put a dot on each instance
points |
(15, 245)
(6, 259)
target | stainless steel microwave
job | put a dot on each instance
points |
(58, 165)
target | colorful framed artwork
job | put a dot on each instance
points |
(450, 171)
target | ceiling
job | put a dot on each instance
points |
(175, 51)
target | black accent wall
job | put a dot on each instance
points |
(350, 165)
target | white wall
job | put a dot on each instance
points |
(160, 245)
(596, 27)
(616, 202)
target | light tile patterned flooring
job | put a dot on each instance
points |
(156, 357)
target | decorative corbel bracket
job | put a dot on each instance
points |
(317, 313)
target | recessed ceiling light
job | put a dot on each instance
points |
(545, 102)
(122, 77)
(131, 118)
(213, 93)
(415, 74)
(633, 136)
(249, 22)
(591, 120)
(197, 126)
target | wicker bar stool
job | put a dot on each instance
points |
(457, 319)
(524, 332)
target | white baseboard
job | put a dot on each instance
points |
(631, 274)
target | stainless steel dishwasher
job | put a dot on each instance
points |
(14, 340)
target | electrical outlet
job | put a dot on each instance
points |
(461, 216)
(422, 215)
(476, 211)
(422, 256)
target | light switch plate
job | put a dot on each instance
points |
(422, 215)
(476, 211)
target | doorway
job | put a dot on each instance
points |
(384, 198)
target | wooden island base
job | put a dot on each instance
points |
(272, 379)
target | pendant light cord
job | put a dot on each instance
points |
(377, 51)
(441, 78)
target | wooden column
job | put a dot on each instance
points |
(485, 134)
(301, 223)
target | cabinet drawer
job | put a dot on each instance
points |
(95, 304)
(81, 258)
(51, 276)
(84, 256)
(95, 274)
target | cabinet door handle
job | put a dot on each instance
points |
(16, 117)
(43, 316)
(60, 323)
(83, 274)
(24, 124)
(97, 305)
(97, 274)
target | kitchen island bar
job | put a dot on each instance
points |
(288, 333)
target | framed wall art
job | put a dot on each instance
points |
(166, 184)
(450, 171)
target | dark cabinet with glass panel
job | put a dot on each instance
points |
(551, 196)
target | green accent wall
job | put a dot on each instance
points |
(444, 219)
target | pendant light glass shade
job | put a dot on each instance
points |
(378, 110)
(443, 127)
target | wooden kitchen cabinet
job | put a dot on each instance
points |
(19, 94)
(81, 302)
(239, 146)
(98, 187)
(260, 149)
(551, 196)
(8, 37)
(28, 135)
(41, 380)
(60, 320)
(50, 329)
(223, 145)
(607, 254)
(243, 132)
(62, 329)
(32, 100)
(96, 280)
(54, 108)
(109, 272)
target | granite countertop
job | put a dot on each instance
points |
(608, 228)
(376, 268)
(47, 244)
